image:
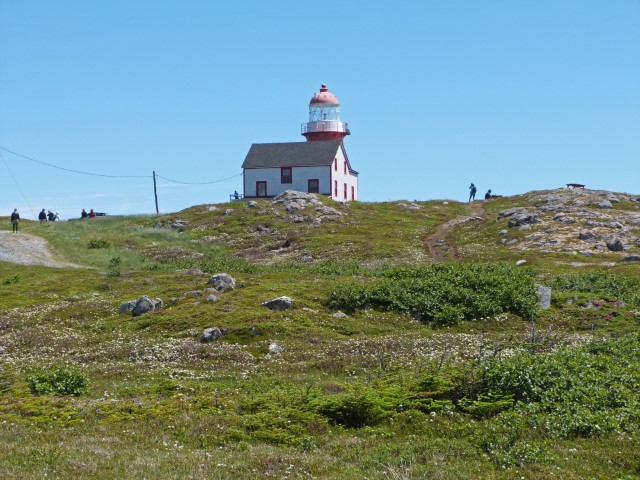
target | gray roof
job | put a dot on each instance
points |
(293, 154)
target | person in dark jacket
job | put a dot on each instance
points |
(15, 220)
(84, 214)
(50, 216)
(472, 192)
(42, 216)
(487, 195)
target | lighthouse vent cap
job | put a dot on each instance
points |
(324, 97)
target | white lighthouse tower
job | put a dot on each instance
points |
(324, 118)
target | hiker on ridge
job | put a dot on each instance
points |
(487, 195)
(472, 192)
(15, 220)
(42, 216)
(84, 214)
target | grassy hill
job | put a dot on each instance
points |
(415, 347)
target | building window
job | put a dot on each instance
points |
(335, 164)
(261, 189)
(345, 167)
(285, 175)
(314, 185)
(345, 191)
(353, 192)
(335, 188)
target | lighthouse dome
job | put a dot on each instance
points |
(324, 97)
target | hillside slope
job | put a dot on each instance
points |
(414, 348)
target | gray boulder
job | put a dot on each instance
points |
(509, 212)
(324, 210)
(523, 219)
(222, 282)
(212, 298)
(210, 334)
(587, 236)
(280, 303)
(521, 262)
(252, 204)
(615, 245)
(544, 296)
(126, 307)
(146, 305)
(631, 258)
(604, 204)
(339, 314)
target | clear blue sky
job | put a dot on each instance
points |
(511, 95)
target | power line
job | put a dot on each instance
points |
(199, 183)
(17, 185)
(114, 176)
(71, 170)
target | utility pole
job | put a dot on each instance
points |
(155, 192)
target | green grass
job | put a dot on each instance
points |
(376, 394)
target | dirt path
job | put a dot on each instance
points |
(436, 244)
(28, 250)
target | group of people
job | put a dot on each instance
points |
(84, 214)
(473, 190)
(49, 216)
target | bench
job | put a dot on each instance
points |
(575, 185)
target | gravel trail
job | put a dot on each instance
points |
(27, 250)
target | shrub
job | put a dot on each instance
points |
(98, 244)
(358, 408)
(606, 284)
(11, 280)
(58, 381)
(445, 293)
(579, 392)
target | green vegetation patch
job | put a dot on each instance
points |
(58, 381)
(445, 293)
(612, 286)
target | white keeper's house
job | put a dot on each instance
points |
(319, 165)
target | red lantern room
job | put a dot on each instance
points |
(324, 118)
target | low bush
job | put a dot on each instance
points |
(445, 293)
(575, 392)
(608, 285)
(58, 381)
(94, 243)
(358, 408)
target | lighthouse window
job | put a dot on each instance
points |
(345, 167)
(285, 175)
(335, 165)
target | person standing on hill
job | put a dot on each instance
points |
(84, 214)
(15, 220)
(42, 216)
(50, 216)
(92, 214)
(472, 192)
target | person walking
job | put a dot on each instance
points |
(472, 192)
(42, 216)
(15, 220)
(50, 216)
(56, 217)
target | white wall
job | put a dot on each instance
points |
(338, 175)
(299, 177)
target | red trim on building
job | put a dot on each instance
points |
(345, 191)
(353, 192)
(335, 189)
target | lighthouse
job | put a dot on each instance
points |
(324, 118)
(320, 165)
